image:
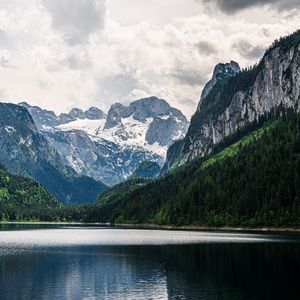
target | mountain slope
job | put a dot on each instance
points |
(24, 151)
(254, 182)
(147, 170)
(22, 193)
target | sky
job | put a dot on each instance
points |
(61, 54)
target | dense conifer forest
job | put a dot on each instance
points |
(18, 193)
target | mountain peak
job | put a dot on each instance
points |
(221, 71)
(140, 110)
(24, 104)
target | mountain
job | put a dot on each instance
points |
(110, 147)
(238, 100)
(248, 176)
(230, 102)
(147, 170)
(221, 72)
(248, 181)
(25, 151)
(22, 193)
(239, 162)
(45, 119)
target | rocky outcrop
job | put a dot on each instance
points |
(220, 72)
(236, 101)
(93, 113)
(167, 123)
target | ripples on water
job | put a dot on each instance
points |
(97, 263)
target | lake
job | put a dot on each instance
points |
(72, 262)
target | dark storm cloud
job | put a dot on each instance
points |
(76, 20)
(232, 6)
(247, 50)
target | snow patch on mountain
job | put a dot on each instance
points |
(109, 147)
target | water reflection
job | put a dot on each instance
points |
(188, 271)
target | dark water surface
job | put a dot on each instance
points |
(103, 263)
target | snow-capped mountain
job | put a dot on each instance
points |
(110, 147)
(27, 152)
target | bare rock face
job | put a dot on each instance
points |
(167, 123)
(221, 72)
(234, 102)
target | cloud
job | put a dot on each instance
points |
(76, 20)
(78, 53)
(190, 77)
(77, 61)
(247, 50)
(5, 58)
(233, 6)
(115, 87)
(207, 48)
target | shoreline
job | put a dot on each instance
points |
(166, 227)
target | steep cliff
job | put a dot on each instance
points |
(235, 101)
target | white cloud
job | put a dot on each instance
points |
(64, 56)
(76, 20)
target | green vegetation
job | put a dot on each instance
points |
(147, 169)
(117, 192)
(235, 148)
(18, 194)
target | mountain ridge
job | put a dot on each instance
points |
(25, 151)
(110, 147)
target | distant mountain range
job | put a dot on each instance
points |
(76, 155)
(27, 152)
(110, 147)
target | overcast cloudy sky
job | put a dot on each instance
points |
(65, 53)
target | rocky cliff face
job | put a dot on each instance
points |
(25, 151)
(166, 124)
(233, 102)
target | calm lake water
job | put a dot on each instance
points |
(39, 262)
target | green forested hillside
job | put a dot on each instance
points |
(253, 182)
(17, 192)
(147, 169)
